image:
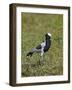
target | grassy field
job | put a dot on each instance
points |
(34, 28)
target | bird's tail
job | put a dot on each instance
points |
(29, 54)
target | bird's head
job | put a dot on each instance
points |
(48, 35)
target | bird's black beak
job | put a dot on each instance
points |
(46, 35)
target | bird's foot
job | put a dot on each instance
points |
(41, 62)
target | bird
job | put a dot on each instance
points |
(42, 47)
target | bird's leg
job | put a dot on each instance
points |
(42, 59)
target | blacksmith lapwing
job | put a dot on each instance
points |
(43, 47)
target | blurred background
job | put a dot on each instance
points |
(34, 28)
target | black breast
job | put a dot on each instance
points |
(48, 44)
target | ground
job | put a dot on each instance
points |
(34, 28)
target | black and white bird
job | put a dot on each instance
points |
(43, 47)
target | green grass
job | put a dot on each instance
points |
(34, 28)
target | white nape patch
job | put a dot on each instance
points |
(49, 34)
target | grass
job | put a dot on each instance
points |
(34, 28)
